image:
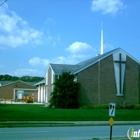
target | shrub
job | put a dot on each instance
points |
(90, 107)
(65, 92)
(104, 106)
(137, 106)
(129, 107)
(118, 107)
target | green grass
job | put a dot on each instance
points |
(40, 113)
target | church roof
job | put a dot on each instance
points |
(59, 68)
(93, 60)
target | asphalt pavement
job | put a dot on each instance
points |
(65, 133)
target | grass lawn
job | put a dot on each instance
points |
(28, 112)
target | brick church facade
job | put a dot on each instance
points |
(111, 77)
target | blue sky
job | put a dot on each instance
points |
(34, 33)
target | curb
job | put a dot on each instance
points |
(62, 123)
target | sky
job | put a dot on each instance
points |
(34, 33)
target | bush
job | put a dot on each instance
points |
(65, 92)
(137, 107)
(118, 107)
(90, 107)
(129, 107)
(104, 106)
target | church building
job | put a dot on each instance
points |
(113, 76)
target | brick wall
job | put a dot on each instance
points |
(88, 85)
(97, 83)
(49, 84)
(108, 84)
(132, 82)
(7, 91)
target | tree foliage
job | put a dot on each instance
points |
(65, 93)
(7, 77)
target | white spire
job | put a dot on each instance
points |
(102, 40)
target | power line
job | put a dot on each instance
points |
(3, 2)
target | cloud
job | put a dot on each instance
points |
(38, 61)
(107, 6)
(78, 51)
(15, 31)
(31, 72)
(64, 60)
(79, 47)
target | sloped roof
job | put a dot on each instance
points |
(4, 83)
(40, 82)
(59, 68)
(93, 60)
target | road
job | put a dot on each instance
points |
(63, 133)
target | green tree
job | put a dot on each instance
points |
(65, 93)
(7, 77)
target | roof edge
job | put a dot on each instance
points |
(96, 61)
(16, 82)
(111, 52)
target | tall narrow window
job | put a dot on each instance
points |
(119, 67)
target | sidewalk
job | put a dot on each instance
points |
(62, 123)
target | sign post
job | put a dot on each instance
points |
(111, 114)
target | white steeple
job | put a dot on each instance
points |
(102, 40)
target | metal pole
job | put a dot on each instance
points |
(111, 132)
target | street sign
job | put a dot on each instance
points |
(112, 109)
(111, 121)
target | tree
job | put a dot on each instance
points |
(7, 77)
(65, 93)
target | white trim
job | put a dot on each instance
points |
(46, 75)
(46, 79)
(51, 68)
(24, 89)
(46, 99)
(44, 93)
(39, 93)
(52, 78)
